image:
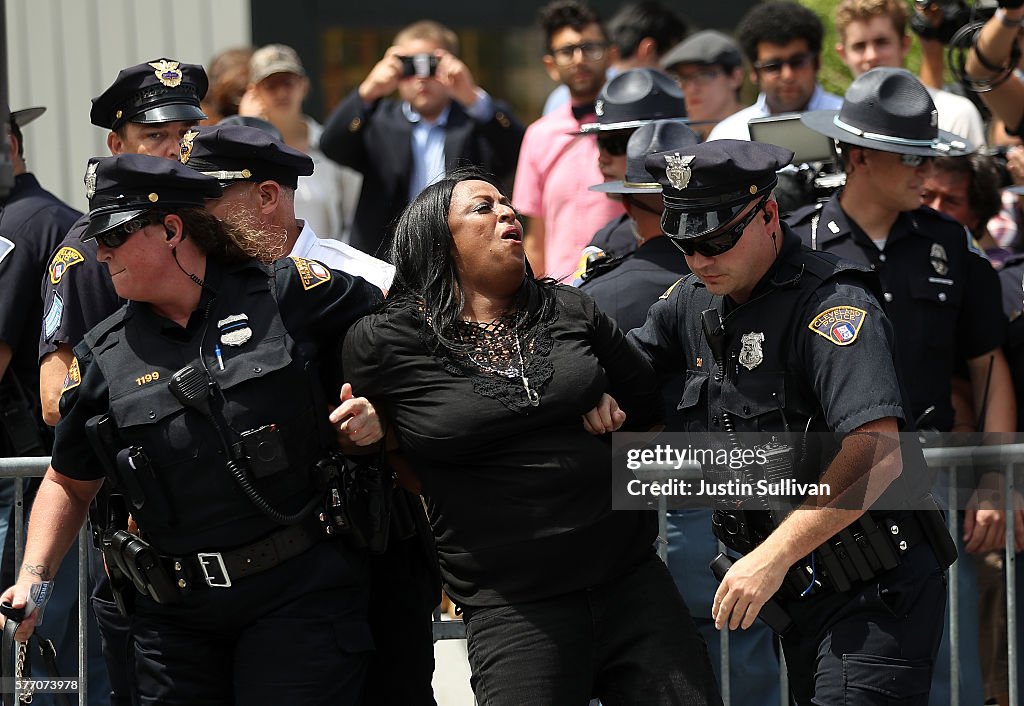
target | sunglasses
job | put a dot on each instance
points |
(721, 243)
(615, 145)
(914, 160)
(116, 237)
(591, 51)
(795, 63)
(701, 77)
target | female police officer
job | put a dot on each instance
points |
(201, 399)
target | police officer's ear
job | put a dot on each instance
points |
(269, 193)
(173, 227)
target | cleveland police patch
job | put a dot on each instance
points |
(840, 324)
(311, 272)
(73, 378)
(62, 261)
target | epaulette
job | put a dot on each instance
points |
(804, 213)
(668, 292)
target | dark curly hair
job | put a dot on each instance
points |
(559, 14)
(779, 23)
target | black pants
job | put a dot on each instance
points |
(296, 634)
(629, 641)
(872, 646)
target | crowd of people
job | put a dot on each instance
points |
(302, 380)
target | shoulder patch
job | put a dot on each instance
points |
(668, 292)
(6, 247)
(73, 378)
(54, 316)
(840, 324)
(62, 261)
(311, 272)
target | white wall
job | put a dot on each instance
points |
(61, 53)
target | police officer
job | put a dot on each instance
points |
(941, 294)
(259, 173)
(204, 401)
(629, 100)
(773, 337)
(625, 287)
(147, 109)
(32, 223)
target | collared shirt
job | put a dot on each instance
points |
(428, 161)
(735, 126)
(941, 294)
(342, 256)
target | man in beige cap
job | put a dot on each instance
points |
(277, 86)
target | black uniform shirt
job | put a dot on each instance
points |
(615, 237)
(833, 352)
(32, 223)
(626, 291)
(76, 292)
(941, 295)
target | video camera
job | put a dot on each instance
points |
(956, 14)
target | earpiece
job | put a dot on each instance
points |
(170, 232)
(767, 217)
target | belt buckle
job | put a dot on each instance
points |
(214, 560)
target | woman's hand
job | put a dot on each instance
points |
(605, 417)
(356, 419)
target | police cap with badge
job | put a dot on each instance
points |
(890, 110)
(706, 186)
(124, 187)
(634, 98)
(233, 153)
(158, 91)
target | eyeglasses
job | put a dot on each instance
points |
(721, 243)
(914, 160)
(591, 51)
(795, 63)
(116, 237)
(614, 144)
(701, 77)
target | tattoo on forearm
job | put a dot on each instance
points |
(40, 570)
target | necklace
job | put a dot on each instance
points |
(480, 332)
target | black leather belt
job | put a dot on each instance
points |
(222, 569)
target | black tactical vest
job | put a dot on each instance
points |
(191, 501)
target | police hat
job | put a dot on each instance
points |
(232, 153)
(707, 47)
(888, 109)
(706, 186)
(633, 98)
(160, 91)
(24, 116)
(657, 136)
(126, 186)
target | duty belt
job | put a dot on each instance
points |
(222, 569)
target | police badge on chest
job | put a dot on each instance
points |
(751, 354)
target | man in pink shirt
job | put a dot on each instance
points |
(556, 166)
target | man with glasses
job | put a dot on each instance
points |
(442, 119)
(941, 293)
(782, 41)
(556, 164)
(708, 67)
(775, 337)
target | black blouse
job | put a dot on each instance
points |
(519, 496)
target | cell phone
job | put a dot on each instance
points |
(419, 65)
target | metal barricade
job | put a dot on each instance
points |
(34, 467)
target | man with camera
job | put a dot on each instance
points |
(401, 146)
(991, 62)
